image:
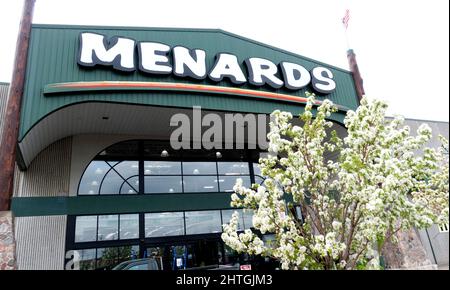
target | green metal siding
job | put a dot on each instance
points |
(52, 59)
(111, 204)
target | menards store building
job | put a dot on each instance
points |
(96, 173)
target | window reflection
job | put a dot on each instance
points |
(247, 217)
(129, 226)
(162, 168)
(111, 183)
(227, 214)
(127, 253)
(200, 184)
(164, 224)
(85, 228)
(130, 186)
(162, 184)
(127, 168)
(174, 174)
(156, 224)
(108, 177)
(118, 175)
(227, 183)
(233, 168)
(107, 258)
(92, 177)
(256, 169)
(87, 259)
(108, 227)
(201, 222)
(259, 180)
(202, 168)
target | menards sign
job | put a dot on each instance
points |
(161, 59)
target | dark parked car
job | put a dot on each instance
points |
(140, 264)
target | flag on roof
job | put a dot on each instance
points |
(346, 18)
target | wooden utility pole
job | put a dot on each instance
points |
(12, 116)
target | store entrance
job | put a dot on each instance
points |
(186, 255)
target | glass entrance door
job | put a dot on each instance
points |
(203, 254)
(168, 257)
(187, 255)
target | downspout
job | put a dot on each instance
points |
(431, 246)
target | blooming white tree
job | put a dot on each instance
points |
(378, 186)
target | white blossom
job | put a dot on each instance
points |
(377, 185)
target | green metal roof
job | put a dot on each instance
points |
(52, 59)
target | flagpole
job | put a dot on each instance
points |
(351, 57)
(346, 39)
(345, 20)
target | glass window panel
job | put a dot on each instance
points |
(162, 184)
(127, 168)
(87, 259)
(164, 224)
(200, 184)
(232, 257)
(259, 180)
(129, 226)
(128, 253)
(107, 258)
(92, 177)
(248, 218)
(227, 183)
(162, 167)
(108, 227)
(256, 169)
(202, 222)
(199, 168)
(226, 217)
(269, 239)
(233, 168)
(116, 177)
(85, 229)
(201, 254)
(130, 186)
(160, 256)
(111, 183)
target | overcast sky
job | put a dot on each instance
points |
(402, 46)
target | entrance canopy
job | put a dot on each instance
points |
(113, 81)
